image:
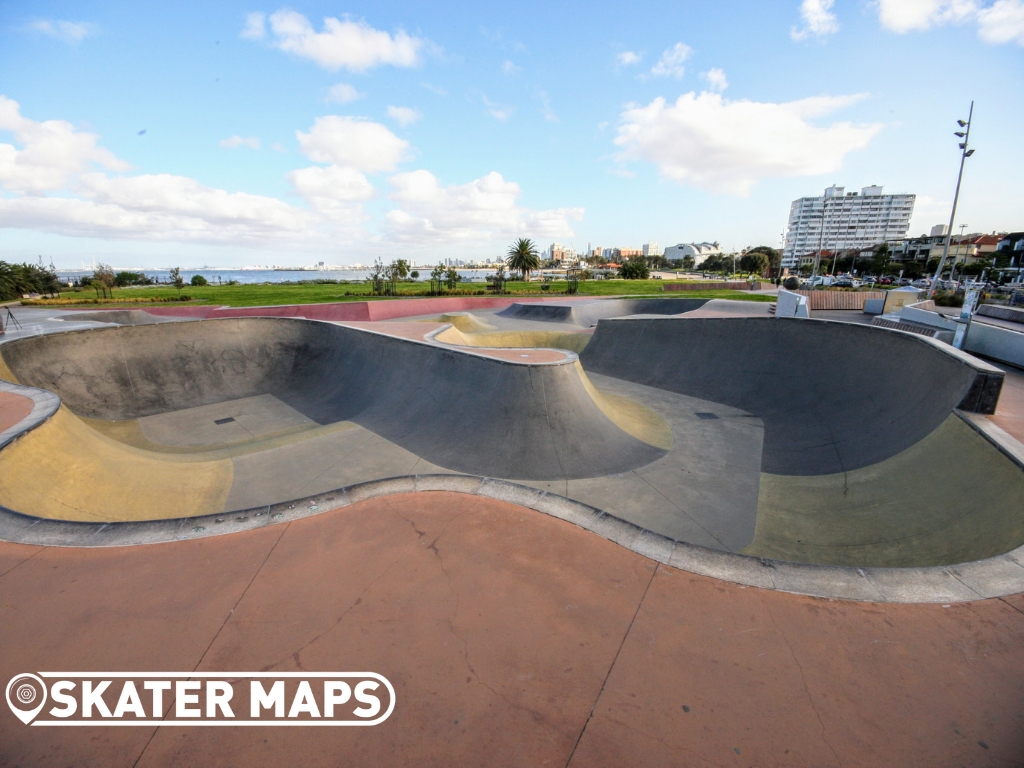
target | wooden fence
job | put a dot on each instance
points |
(839, 299)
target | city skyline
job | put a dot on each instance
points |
(244, 134)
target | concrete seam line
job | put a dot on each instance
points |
(935, 584)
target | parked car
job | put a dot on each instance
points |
(922, 282)
(885, 281)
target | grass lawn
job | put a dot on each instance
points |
(267, 294)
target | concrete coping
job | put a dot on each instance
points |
(990, 578)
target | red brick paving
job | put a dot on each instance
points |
(512, 638)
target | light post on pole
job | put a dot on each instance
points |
(959, 252)
(964, 154)
(821, 238)
(781, 250)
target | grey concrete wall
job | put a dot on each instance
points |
(456, 409)
(997, 343)
(833, 396)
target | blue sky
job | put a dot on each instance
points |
(345, 132)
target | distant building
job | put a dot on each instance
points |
(840, 220)
(651, 249)
(698, 251)
(629, 253)
(939, 230)
(565, 255)
(1012, 246)
(967, 250)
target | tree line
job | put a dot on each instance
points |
(16, 280)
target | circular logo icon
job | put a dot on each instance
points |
(26, 695)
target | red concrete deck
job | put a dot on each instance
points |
(512, 638)
(13, 408)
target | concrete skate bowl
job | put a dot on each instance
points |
(587, 312)
(574, 341)
(866, 460)
(115, 316)
(798, 441)
(471, 331)
(179, 419)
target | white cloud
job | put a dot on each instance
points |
(716, 79)
(819, 21)
(498, 111)
(238, 141)
(347, 141)
(342, 93)
(68, 31)
(343, 44)
(906, 15)
(671, 62)
(278, 147)
(435, 89)
(508, 68)
(998, 23)
(55, 158)
(484, 209)
(404, 115)
(545, 108)
(160, 207)
(255, 27)
(333, 191)
(727, 146)
(52, 152)
(627, 58)
(1003, 22)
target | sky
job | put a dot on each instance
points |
(234, 134)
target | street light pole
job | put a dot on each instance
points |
(964, 154)
(959, 253)
(821, 238)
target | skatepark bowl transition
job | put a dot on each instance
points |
(717, 425)
(805, 456)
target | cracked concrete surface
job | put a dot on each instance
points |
(512, 638)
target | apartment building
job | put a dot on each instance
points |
(839, 220)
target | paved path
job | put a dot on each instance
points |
(512, 639)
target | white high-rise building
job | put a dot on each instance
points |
(851, 221)
(651, 249)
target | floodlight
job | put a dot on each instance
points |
(969, 153)
(959, 133)
(962, 146)
(961, 123)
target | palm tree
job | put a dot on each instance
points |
(523, 257)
